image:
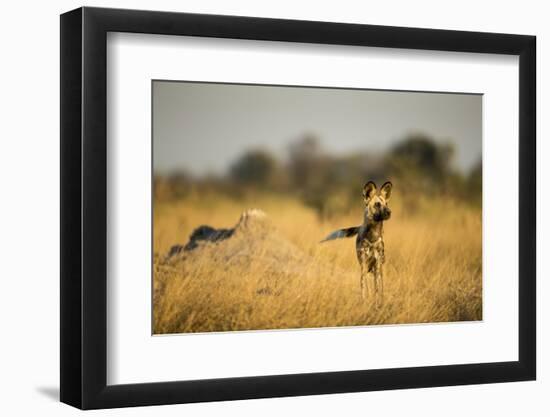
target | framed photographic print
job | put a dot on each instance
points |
(257, 208)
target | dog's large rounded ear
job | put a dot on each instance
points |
(385, 191)
(368, 191)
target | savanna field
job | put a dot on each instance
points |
(274, 274)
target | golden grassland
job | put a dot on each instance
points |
(274, 274)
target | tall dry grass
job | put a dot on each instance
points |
(277, 275)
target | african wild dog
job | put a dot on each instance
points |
(370, 241)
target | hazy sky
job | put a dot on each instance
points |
(202, 128)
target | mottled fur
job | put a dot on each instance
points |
(369, 243)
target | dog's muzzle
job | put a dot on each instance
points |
(382, 215)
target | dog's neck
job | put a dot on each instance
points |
(373, 230)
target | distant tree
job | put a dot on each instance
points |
(255, 167)
(424, 154)
(475, 183)
(306, 162)
(329, 184)
(173, 186)
(422, 165)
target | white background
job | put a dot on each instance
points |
(30, 206)
(134, 356)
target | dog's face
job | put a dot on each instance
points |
(376, 201)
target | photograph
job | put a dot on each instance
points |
(298, 207)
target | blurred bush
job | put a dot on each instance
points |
(255, 167)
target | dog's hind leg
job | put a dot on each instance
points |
(378, 288)
(364, 282)
(382, 285)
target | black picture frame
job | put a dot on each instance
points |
(84, 207)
